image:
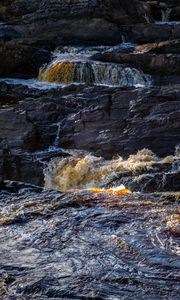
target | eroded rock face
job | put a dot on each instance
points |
(124, 122)
(154, 58)
(16, 130)
(79, 21)
(107, 121)
(119, 121)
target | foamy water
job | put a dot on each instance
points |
(83, 172)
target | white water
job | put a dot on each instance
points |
(87, 70)
(166, 14)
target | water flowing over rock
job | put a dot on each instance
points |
(140, 172)
(90, 171)
(97, 73)
(89, 149)
(73, 65)
(166, 14)
(88, 245)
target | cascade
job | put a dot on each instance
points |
(123, 38)
(87, 172)
(61, 72)
(74, 65)
(57, 138)
(166, 14)
(92, 72)
(77, 69)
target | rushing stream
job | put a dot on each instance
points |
(89, 244)
(81, 237)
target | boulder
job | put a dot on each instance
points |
(20, 60)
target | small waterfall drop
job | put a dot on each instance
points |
(166, 14)
(123, 38)
(92, 73)
(74, 65)
(88, 171)
(57, 138)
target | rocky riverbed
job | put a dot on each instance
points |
(89, 149)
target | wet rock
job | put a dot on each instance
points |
(175, 14)
(8, 32)
(80, 21)
(149, 182)
(129, 121)
(121, 121)
(155, 64)
(22, 166)
(16, 130)
(52, 245)
(29, 29)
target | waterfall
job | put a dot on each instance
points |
(84, 73)
(75, 65)
(60, 72)
(92, 72)
(88, 171)
(57, 138)
(123, 38)
(166, 14)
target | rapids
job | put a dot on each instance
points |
(85, 235)
(87, 171)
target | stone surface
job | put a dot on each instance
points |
(84, 245)
(21, 60)
(119, 121)
(150, 63)
(30, 29)
(106, 121)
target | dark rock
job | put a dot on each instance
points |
(8, 32)
(52, 245)
(130, 121)
(16, 130)
(19, 60)
(30, 29)
(16, 186)
(159, 64)
(120, 121)
(149, 182)
(80, 21)
(175, 14)
(150, 33)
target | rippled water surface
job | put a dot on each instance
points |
(85, 244)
